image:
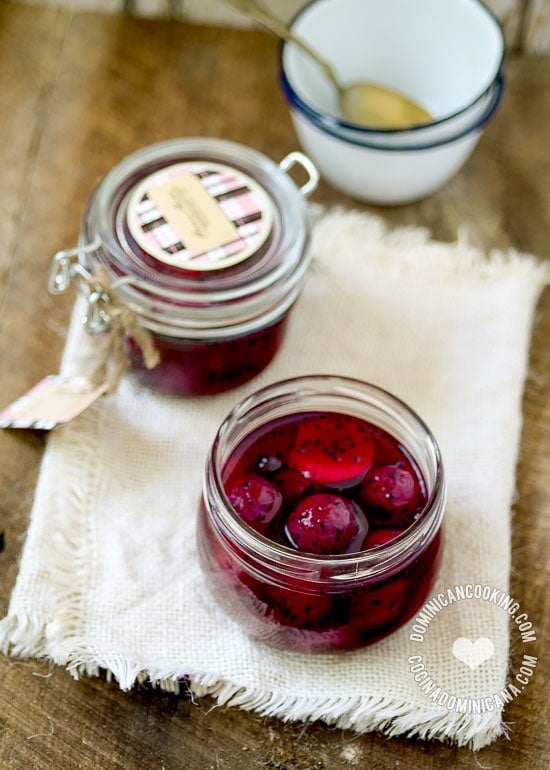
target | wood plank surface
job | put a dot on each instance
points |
(78, 93)
(525, 23)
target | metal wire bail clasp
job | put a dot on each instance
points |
(97, 318)
(299, 159)
(69, 267)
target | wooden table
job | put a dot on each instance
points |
(79, 92)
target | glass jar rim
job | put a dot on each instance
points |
(289, 396)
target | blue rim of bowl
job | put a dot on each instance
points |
(334, 122)
(498, 86)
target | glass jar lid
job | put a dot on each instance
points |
(204, 233)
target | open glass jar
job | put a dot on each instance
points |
(293, 572)
(207, 243)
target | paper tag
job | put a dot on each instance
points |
(199, 215)
(53, 401)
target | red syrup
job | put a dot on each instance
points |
(322, 484)
(202, 368)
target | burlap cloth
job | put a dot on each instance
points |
(109, 577)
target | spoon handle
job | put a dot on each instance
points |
(262, 16)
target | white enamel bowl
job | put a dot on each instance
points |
(447, 55)
(443, 55)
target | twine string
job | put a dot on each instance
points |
(124, 322)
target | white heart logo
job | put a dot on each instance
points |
(473, 653)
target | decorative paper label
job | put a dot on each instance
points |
(193, 213)
(199, 216)
(53, 401)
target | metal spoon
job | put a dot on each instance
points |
(363, 103)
